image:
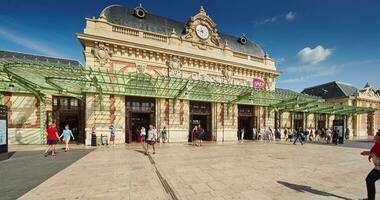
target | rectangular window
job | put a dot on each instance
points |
(64, 102)
(74, 103)
(135, 106)
(55, 102)
(145, 106)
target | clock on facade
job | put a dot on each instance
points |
(202, 31)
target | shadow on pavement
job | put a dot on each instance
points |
(305, 188)
(25, 170)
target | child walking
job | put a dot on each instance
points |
(67, 134)
(52, 137)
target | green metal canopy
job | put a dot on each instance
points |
(40, 78)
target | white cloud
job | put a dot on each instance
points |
(28, 42)
(269, 20)
(290, 16)
(313, 72)
(314, 56)
(280, 60)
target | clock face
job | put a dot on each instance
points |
(202, 31)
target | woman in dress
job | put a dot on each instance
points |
(67, 134)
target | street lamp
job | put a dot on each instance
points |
(11, 87)
(92, 87)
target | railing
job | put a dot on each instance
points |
(124, 30)
(163, 38)
(155, 37)
(256, 59)
(240, 55)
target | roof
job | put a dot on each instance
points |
(331, 90)
(26, 56)
(125, 16)
(286, 91)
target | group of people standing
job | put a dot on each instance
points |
(140, 134)
(197, 135)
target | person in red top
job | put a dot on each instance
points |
(52, 137)
(374, 175)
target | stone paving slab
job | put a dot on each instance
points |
(251, 170)
(27, 168)
(106, 173)
(259, 170)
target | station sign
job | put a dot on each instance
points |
(258, 83)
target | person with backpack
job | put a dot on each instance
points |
(374, 174)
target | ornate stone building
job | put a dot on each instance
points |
(127, 40)
(345, 94)
(145, 69)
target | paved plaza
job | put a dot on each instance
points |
(250, 170)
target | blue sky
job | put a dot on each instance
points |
(313, 42)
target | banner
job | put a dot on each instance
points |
(258, 83)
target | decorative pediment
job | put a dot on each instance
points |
(201, 30)
(369, 92)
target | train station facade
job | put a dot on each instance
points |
(143, 69)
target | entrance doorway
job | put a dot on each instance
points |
(246, 120)
(69, 111)
(298, 121)
(321, 122)
(139, 120)
(71, 119)
(200, 114)
(140, 112)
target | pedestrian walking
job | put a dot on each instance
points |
(242, 132)
(374, 174)
(200, 133)
(347, 134)
(66, 136)
(151, 139)
(164, 135)
(317, 135)
(335, 135)
(269, 134)
(286, 134)
(193, 135)
(52, 137)
(112, 134)
(299, 135)
(328, 135)
(254, 134)
(142, 134)
(93, 136)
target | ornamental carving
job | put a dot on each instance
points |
(102, 54)
(201, 31)
(228, 73)
(269, 83)
(140, 68)
(174, 64)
